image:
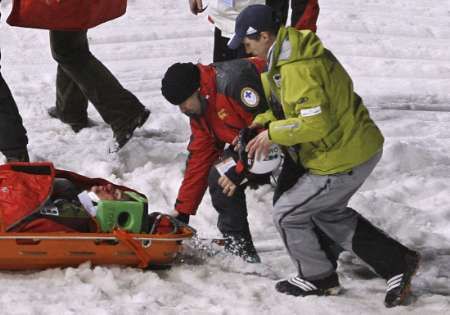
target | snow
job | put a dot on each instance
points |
(397, 53)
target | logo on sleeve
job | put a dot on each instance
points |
(222, 114)
(249, 97)
(310, 111)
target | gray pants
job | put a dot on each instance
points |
(319, 201)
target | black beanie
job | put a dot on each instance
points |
(180, 81)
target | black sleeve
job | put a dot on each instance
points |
(246, 88)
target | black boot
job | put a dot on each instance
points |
(241, 244)
(399, 285)
(300, 287)
(124, 133)
(76, 126)
(20, 155)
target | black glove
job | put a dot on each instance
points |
(183, 217)
(245, 135)
(235, 176)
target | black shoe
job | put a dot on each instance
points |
(399, 286)
(241, 245)
(17, 156)
(76, 126)
(300, 287)
(124, 134)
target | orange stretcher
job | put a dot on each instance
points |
(25, 251)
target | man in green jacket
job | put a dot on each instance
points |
(325, 127)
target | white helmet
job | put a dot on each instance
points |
(268, 163)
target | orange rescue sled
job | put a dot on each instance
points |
(22, 251)
(43, 243)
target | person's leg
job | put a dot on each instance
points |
(117, 106)
(232, 220)
(71, 103)
(293, 217)
(13, 136)
(364, 239)
(288, 177)
(281, 9)
(221, 50)
(329, 212)
(389, 258)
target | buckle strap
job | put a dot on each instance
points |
(127, 239)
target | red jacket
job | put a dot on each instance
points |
(233, 94)
(24, 189)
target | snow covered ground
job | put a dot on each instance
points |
(398, 55)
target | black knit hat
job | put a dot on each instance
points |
(180, 81)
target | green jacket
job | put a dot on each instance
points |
(321, 114)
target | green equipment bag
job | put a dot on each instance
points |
(130, 215)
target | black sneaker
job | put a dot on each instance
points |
(17, 156)
(399, 286)
(124, 134)
(300, 287)
(241, 245)
(76, 126)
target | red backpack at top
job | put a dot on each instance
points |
(64, 15)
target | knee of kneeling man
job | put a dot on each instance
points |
(213, 177)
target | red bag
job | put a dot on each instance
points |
(64, 15)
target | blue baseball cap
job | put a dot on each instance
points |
(253, 19)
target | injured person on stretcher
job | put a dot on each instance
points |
(35, 197)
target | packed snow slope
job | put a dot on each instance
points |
(398, 55)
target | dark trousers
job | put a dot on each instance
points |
(13, 136)
(221, 50)
(81, 77)
(232, 210)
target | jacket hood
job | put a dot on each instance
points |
(293, 45)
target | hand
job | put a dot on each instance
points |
(244, 136)
(228, 186)
(107, 192)
(235, 143)
(183, 217)
(196, 6)
(259, 145)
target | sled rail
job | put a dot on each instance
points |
(35, 251)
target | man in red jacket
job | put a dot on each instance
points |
(220, 99)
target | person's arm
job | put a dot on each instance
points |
(305, 14)
(203, 152)
(312, 119)
(264, 119)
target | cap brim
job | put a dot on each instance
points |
(235, 41)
